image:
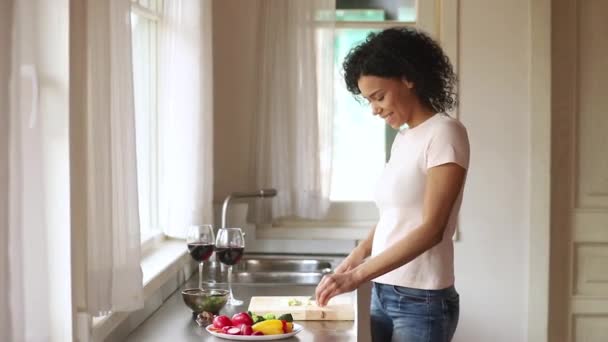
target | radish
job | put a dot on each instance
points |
(258, 333)
(222, 321)
(242, 318)
(233, 331)
(246, 329)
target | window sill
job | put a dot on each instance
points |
(150, 241)
(159, 264)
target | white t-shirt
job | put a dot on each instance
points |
(400, 196)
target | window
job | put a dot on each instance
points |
(145, 20)
(361, 141)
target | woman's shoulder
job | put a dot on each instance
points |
(445, 124)
(448, 121)
(448, 142)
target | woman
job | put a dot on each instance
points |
(408, 80)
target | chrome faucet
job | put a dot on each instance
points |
(262, 193)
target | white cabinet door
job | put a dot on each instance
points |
(579, 242)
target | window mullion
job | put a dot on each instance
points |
(372, 24)
(154, 145)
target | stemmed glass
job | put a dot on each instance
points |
(201, 243)
(229, 248)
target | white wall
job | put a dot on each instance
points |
(234, 41)
(492, 254)
(492, 257)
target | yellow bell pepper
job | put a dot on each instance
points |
(269, 327)
(273, 327)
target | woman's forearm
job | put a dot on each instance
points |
(405, 250)
(365, 246)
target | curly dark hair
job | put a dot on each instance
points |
(408, 53)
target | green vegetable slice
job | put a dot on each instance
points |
(286, 317)
(269, 316)
(294, 302)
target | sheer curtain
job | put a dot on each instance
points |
(35, 285)
(291, 138)
(114, 276)
(5, 66)
(186, 116)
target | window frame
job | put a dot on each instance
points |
(151, 236)
(438, 18)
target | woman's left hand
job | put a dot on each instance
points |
(334, 284)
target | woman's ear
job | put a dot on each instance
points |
(408, 84)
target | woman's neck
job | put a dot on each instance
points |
(419, 116)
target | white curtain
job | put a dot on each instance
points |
(114, 276)
(292, 130)
(5, 49)
(35, 297)
(186, 116)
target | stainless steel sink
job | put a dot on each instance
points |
(283, 265)
(300, 278)
(275, 271)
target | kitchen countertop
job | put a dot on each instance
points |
(173, 320)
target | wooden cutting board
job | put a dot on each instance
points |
(339, 308)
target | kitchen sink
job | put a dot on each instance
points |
(271, 271)
(283, 265)
(300, 278)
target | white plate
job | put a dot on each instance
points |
(296, 329)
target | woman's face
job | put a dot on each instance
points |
(392, 99)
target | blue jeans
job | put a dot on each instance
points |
(403, 314)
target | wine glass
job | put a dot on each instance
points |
(201, 243)
(229, 248)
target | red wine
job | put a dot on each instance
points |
(230, 255)
(200, 251)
